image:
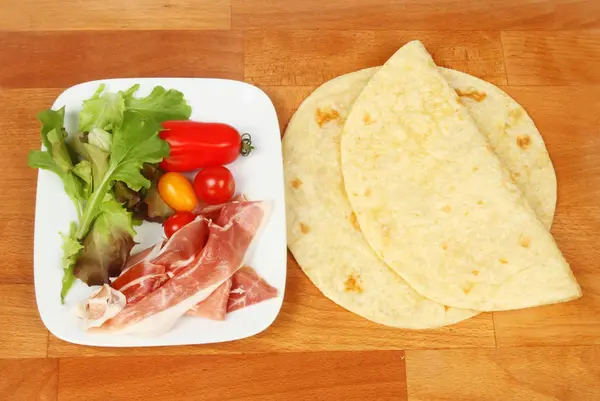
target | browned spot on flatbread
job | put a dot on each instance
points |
(472, 94)
(514, 175)
(467, 289)
(446, 209)
(354, 221)
(322, 117)
(489, 147)
(368, 192)
(304, 228)
(523, 141)
(444, 246)
(515, 114)
(480, 202)
(525, 242)
(367, 119)
(503, 261)
(475, 169)
(446, 308)
(352, 284)
(297, 183)
(475, 272)
(337, 139)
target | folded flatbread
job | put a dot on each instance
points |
(434, 201)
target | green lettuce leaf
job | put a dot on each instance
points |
(102, 110)
(134, 143)
(83, 170)
(57, 157)
(160, 105)
(100, 139)
(106, 246)
(71, 249)
(98, 158)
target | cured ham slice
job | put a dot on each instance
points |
(102, 305)
(184, 245)
(148, 253)
(222, 256)
(215, 306)
(150, 268)
(245, 288)
(140, 280)
(212, 212)
(248, 288)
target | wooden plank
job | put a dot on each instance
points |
(439, 15)
(563, 373)
(35, 15)
(297, 376)
(29, 379)
(571, 323)
(40, 59)
(22, 333)
(313, 57)
(310, 322)
(20, 130)
(552, 58)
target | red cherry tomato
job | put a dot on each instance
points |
(178, 220)
(214, 185)
(197, 145)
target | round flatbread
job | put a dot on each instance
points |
(323, 233)
(434, 201)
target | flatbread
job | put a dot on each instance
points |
(317, 128)
(433, 200)
(322, 230)
(513, 136)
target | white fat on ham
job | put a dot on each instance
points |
(102, 305)
(215, 306)
(222, 256)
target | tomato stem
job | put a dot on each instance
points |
(247, 147)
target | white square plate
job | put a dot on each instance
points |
(259, 176)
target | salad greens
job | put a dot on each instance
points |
(117, 140)
(56, 157)
(145, 204)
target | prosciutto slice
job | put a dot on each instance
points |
(215, 306)
(184, 245)
(248, 288)
(245, 288)
(102, 304)
(140, 280)
(222, 256)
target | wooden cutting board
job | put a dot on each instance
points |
(546, 54)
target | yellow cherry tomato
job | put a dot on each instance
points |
(177, 192)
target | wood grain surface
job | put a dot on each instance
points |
(544, 53)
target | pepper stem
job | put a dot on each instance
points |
(247, 147)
